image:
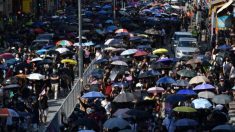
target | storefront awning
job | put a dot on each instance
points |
(226, 5)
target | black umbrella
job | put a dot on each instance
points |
(89, 123)
(138, 113)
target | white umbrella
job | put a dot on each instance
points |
(155, 90)
(119, 63)
(36, 59)
(108, 41)
(199, 79)
(201, 103)
(62, 50)
(36, 76)
(206, 94)
(129, 52)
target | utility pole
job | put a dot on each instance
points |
(80, 41)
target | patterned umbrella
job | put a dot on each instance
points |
(64, 43)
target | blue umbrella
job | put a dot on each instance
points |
(48, 46)
(107, 7)
(115, 58)
(41, 51)
(109, 21)
(38, 24)
(204, 86)
(185, 122)
(88, 13)
(11, 61)
(102, 12)
(166, 80)
(224, 47)
(101, 61)
(93, 94)
(174, 98)
(121, 84)
(186, 92)
(111, 28)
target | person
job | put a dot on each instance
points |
(169, 124)
(43, 106)
(55, 83)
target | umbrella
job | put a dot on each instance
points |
(36, 59)
(166, 60)
(36, 76)
(204, 86)
(184, 109)
(93, 94)
(155, 90)
(86, 131)
(138, 113)
(114, 42)
(121, 113)
(21, 75)
(140, 53)
(206, 94)
(116, 123)
(222, 99)
(41, 51)
(11, 86)
(224, 128)
(45, 61)
(186, 92)
(111, 28)
(119, 63)
(70, 61)
(11, 61)
(101, 61)
(174, 98)
(7, 56)
(201, 104)
(185, 122)
(150, 73)
(5, 112)
(151, 31)
(193, 61)
(64, 43)
(160, 51)
(121, 31)
(62, 50)
(129, 52)
(110, 49)
(224, 47)
(199, 79)
(182, 83)
(124, 97)
(187, 73)
(165, 80)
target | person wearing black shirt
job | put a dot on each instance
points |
(43, 107)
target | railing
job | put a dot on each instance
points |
(70, 101)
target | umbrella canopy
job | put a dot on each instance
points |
(138, 113)
(186, 122)
(204, 86)
(7, 56)
(41, 51)
(165, 80)
(199, 79)
(124, 97)
(222, 99)
(121, 31)
(193, 61)
(174, 98)
(182, 83)
(64, 43)
(186, 92)
(119, 63)
(116, 123)
(166, 60)
(184, 109)
(206, 94)
(150, 73)
(121, 113)
(36, 59)
(140, 53)
(224, 128)
(129, 52)
(62, 50)
(201, 104)
(99, 61)
(187, 73)
(70, 61)
(11, 86)
(93, 94)
(160, 51)
(36, 76)
(155, 90)
(6, 112)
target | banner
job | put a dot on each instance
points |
(224, 22)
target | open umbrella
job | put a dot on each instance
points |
(7, 56)
(62, 50)
(165, 60)
(222, 99)
(160, 51)
(99, 61)
(193, 61)
(204, 86)
(6, 112)
(36, 59)
(181, 83)
(11, 86)
(121, 30)
(224, 128)
(140, 53)
(124, 97)
(115, 123)
(199, 79)
(155, 90)
(201, 104)
(36, 76)
(129, 52)
(150, 73)
(119, 63)
(41, 51)
(206, 94)
(93, 94)
(174, 98)
(186, 92)
(185, 122)
(138, 113)
(165, 80)
(185, 109)
(187, 73)
(121, 113)
(64, 43)
(70, 61)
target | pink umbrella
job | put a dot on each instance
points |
(7, 56)
(155, 90)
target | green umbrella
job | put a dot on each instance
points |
(187, 73)
(185, 109)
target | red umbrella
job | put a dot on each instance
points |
(140, 53)
(7, 56)
(38, 30)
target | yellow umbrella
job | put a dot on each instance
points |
(160, 51)
(70, 61)
(184, 109)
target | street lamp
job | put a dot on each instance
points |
(80, 41)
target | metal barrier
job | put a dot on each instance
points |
(70, 101)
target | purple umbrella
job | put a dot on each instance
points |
(204, 86)
(166, 60)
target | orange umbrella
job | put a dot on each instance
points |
(5, 112)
